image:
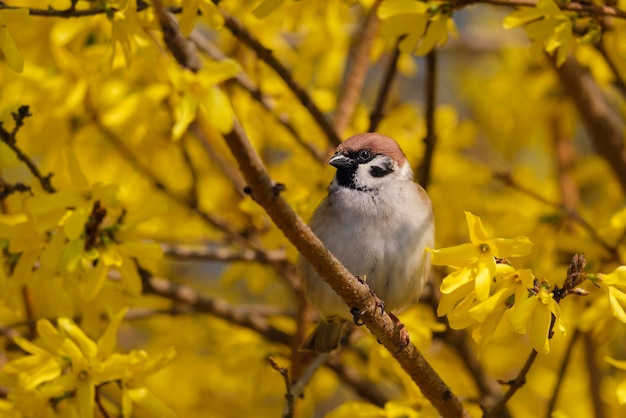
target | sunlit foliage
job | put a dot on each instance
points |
(139, 277)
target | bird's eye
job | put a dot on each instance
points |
(364, 156)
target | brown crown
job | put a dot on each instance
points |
(375, 143)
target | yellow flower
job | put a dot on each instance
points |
(534, 316)
(65, 362)
(476, 260)
(614, 284)
(67, 231)
(197, 95)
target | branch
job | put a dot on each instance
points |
(243, 81)
(358, 64)
(297, 389)
(9, 138)
(508, 180)
(619, 80)
(595, 376)
(390, 73)
(582, 8)
(186, 295)
(604, 126)
(575, 276)
(228, 169)
(289, 396)
(515, 384)
(252, 319)
(354, 293)
(431, 136)
(561, 375)
(363, 387)
(208, 218)
(218, 252)
(7, 189)
(193, 172)
(458, 341)
(266, 55)
(183, 50)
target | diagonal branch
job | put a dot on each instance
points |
(186, 295)
(354, 293)
(357, 70)
(205, 45)
(9, 139)
(266, 55)
(605, 127)
(431, 136)
(581, 7)
(221, 253)
(390, 74)
(515, 385)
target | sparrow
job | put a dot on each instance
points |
(378, 222)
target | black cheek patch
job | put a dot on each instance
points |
(382, 170)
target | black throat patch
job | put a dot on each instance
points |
(346, 177)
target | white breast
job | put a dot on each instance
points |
(381, 236)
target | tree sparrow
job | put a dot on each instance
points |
(378, 223)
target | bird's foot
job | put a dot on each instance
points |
(357, 313)
(405, 338)
(378, 301)
(356, 316)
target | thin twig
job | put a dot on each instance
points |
(188, 58)
(266, 55)
(604, 125)
(221, 253)
(358, 64)
(561, 374)
(229, 171)
(515, 384)
(583, 8)
(193, 172)
(362, 386)
(390, 73)
(586, 9)
(183, 50)
(564, 153)
(619, 80)
(27, 297)
(200, 303)
(289, 397)
(302, 318)
(430, 140)
(298, 386)
(99, 403)
(458, 341)
(243, 81)
(128, 155)
(595, 377)
(7, 189)
(508, 180)
(10, 139)
(574, 277)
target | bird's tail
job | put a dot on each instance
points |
(325, 338)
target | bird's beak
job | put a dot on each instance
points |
(340, 161)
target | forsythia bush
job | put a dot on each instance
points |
(139, 278)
